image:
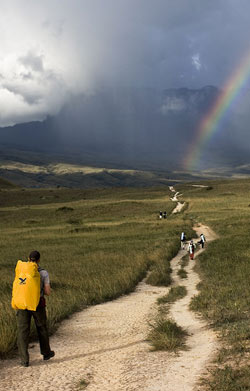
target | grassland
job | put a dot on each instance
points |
(224, 267)
(96, 245)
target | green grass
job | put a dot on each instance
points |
(83, 384)
(182, 273)
(175, 293)
(183, 263)
(224, 267)
(96, 245)
(229, 379)
(165, 334)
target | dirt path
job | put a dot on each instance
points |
(199, 185)
(106, 346)
(179, 205)
(183, 372)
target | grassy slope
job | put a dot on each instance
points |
(96, 245)
(224, 297)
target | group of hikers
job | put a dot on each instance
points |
(162, 215)
(191, 245)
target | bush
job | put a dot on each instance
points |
(167, 335)
(175, 293)
(65, 209)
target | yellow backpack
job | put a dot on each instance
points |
(26, 286)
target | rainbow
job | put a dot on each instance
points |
(210, 124)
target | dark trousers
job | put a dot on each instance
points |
(23, 331)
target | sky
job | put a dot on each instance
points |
(52, 50)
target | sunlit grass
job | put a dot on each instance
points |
(229, 379)
(175, 293)
(165, 334)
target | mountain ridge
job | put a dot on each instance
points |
(132, 129)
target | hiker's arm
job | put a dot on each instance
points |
(47, 289)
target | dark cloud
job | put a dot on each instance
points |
(53, 49)
(27, 76)
(32, 61)
(31, 98)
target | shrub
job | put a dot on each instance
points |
(167, 335)
(175, 293)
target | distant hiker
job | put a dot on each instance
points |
(191, 248)
(202, 240)
(183, 240)
(30, 285)
(164, 215)
(160, 215)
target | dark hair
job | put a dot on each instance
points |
(34, 256)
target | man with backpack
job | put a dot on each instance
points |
(30, 285)
(202, 240)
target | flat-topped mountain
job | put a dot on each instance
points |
(129, 128)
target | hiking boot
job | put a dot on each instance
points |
(50, 355)
(24, 364)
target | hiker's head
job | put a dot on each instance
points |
(34, 256)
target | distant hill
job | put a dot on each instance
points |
(82, 176)
(43, 170)
(4, 184)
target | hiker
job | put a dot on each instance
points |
(183, 240)
(160, 215)
(202, 240)
(39, 314)
(164, 215)
(191, 248)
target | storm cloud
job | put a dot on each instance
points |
(55, 49)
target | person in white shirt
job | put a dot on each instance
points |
(202, 240)
(191, 248)
(183, 240)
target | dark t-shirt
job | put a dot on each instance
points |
(44, 279)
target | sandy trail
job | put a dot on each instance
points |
(179, 205)
(199, 185)
(106, 346)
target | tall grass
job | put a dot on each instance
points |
(229, 379)
(96, 245)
